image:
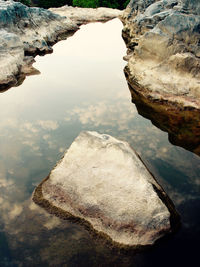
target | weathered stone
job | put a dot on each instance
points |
(36, 27)
(11, 56)
(164, 62)
(31, 31)
(102, 181)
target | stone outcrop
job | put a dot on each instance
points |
(26, 32)
(164, 51)
(103, 183)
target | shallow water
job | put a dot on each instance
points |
(82, 87)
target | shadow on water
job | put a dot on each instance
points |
(182, 126)
(5, 256)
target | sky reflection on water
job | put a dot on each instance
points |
(81, 87)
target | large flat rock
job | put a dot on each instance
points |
(163, 50)
(102, 181)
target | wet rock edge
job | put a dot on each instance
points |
(175, 220)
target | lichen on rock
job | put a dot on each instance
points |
(102, 181)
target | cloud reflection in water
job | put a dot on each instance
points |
(39, 121)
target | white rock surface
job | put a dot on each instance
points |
(103, 181)
(31, 31)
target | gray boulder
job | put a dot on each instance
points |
(25, 31)
(103, 182)
(164, 50)
(36, 27)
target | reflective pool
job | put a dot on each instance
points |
(82, 87)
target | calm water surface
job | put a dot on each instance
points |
(82, 87)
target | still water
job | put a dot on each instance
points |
(82, 87)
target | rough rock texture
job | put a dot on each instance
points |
(11, 56)
(36, 27)
(28, 31)
(164, 50)
(102, 181)
(25, 30)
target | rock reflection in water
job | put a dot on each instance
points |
(36, 238)
(183, 126)
(19, 79)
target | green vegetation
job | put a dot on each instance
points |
(104, 3)
(46, 3)
(25, 2)
(52, 3)
(120, 4)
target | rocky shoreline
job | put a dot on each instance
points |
(26, 32)
(163, 70)
(163, 55)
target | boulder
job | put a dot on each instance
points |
(103, 182)
(36, 27)
(164, 51)
(25, 31)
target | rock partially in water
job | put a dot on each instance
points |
(182, 126)
(36, 27)
(14, 64)
(102, 181)
(11, 57)
(26, 31)
(163, 50)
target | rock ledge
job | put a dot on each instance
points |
(163, 41)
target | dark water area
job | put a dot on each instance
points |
(82, 87)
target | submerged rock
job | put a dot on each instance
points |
(164, 50)
(26, 31)
(103, 182)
